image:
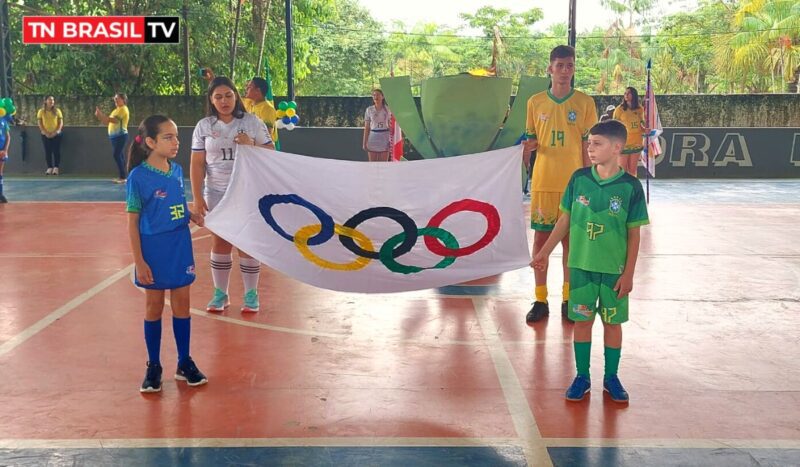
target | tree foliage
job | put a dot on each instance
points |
(340, 49)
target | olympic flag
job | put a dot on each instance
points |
(375, 227)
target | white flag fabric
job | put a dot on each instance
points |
(376, 227)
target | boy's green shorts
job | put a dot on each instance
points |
(586, 288)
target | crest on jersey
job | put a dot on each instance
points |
(615, 204)
(572, 116)
(160, 194)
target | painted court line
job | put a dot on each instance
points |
(521, 414)
(370, 338)
(32, 330)
(61, 311)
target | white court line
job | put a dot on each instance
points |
(40, 325)
(32, 330)
(133, 443)
(524, 422)
(370, 338)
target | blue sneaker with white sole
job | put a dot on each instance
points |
(613, 386)
(579, 387)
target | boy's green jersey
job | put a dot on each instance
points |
(601, 212)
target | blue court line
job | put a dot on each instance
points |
(673, 457)
(282, 456)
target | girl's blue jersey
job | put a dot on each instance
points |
(158, 197)
(4, 127)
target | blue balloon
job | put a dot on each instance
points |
(295, 119)
(286, 120)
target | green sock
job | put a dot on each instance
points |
(583, 354)
(612, 360)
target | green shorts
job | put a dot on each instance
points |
(586, 288)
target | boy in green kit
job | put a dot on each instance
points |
(603, 208)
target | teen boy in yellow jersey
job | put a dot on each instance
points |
(255, 103)
(557, 126)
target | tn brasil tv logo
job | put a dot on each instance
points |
(100, 30)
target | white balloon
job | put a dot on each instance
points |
(279, 124)
(290, 126)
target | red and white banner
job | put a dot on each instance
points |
(376, 227)
(100, 30)
(396, 139)
(653, 122)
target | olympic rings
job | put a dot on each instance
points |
(492, 227)
(437, 240)
(265, 207)
(407, 223)
(388, 258)
(304, 234)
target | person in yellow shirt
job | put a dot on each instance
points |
(117, 122)
(631, 114)
(255, 102)
(51, 122)
(557, 127)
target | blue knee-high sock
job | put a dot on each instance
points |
(182, 328)
(152, 338)
(1, 184)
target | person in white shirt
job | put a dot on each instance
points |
(214, 145)
(376, 139)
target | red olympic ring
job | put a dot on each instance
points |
(492, 227)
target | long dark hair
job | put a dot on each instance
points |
(238, 108)
(44, 105)
(139, 151)
(634, 99)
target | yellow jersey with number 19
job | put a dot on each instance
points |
(560, 126)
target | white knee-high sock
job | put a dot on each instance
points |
(251, 269)
(221, 270)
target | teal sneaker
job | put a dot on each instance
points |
(579, 387)
(613, 387)
(250, 301)
(219, 302)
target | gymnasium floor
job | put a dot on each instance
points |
(447, 377)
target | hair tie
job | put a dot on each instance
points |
(138, 139)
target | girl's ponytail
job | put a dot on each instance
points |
(139, 151)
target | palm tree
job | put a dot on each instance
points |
(766, 50)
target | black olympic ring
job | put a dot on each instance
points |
(407, 223)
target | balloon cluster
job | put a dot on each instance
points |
(287, 115)
(7, 108)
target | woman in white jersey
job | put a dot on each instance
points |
(214, 144)
(376, 129)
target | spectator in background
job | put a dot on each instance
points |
(255, 102)
(117, 122)
(608, 114)
(631, 114)
(51, 122)
(376, 139)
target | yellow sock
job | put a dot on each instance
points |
(565, 291)
(541, 293)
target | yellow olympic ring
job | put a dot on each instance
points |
(304, 233)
